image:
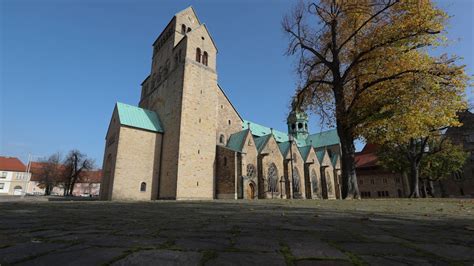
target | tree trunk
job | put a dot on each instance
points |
(350, 188)
(431, 188)
(424, 191)
(415, 190)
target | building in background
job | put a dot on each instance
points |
(375, 181)
(461, 184)
(87, 185)
(13, 176)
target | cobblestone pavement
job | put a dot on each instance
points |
(264, 232)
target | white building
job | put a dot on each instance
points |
(13, 176)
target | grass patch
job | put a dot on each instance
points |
(286, 252)
(207, 255)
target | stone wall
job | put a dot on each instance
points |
(137, 162)
(226, 173)
(379, 184)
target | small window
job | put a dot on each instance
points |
(2, 185)
(189, 29)
(183, 29)
(225, 161)
(250, 144)
(143, 187)
(300, 125)
(372, 181)
(228, 122)
(221, 139)
(293, 126)
(198, 55)
(204, 58)
(202, 38)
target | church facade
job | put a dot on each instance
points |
(185, 139)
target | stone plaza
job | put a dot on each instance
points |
(270, 232)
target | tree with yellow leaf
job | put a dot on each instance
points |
(355, 58)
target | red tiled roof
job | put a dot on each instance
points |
(11, 164)
(367, 157)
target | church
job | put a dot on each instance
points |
(186, 141)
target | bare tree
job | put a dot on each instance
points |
(49, 172)
(75, 166)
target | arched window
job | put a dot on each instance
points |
(189, 29)
(314, 182)
(198, 55)
(293, 126)
(272, 178)
(300, 125)
(183, 29)
(250, 170)
(221, 139)
(296, 181)
(143, 187)
(328, 182)
(204, 58)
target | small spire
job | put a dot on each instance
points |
(271, 130)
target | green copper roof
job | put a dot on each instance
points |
(305, 151)
(259, 131)
(320, 155)
(236, 140)
(334, 160)
(261, 141)
(138, 117)
(284, 147)
(322, 139)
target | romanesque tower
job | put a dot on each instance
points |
(297, 122)
(182, 90)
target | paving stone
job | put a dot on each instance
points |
(77, 255)
(244, 258)
(125, 241)
(313, 248)
(323, 263)
(160, 257)
(24, 250)
(377, 248)
(453, 252)
(397, 261)
(257, 243)
(203, 243)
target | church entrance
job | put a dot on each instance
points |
(251, 191)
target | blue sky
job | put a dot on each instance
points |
(64, 64)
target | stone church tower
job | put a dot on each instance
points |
(185, 139)
(182, 90)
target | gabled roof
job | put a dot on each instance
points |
(320, 155)
(137, 117)
(284, 147)
(322, 139)
(334, 159)
(236, 140)
(11, 164)
(305, 151)
(259, 131)
(261, 141)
